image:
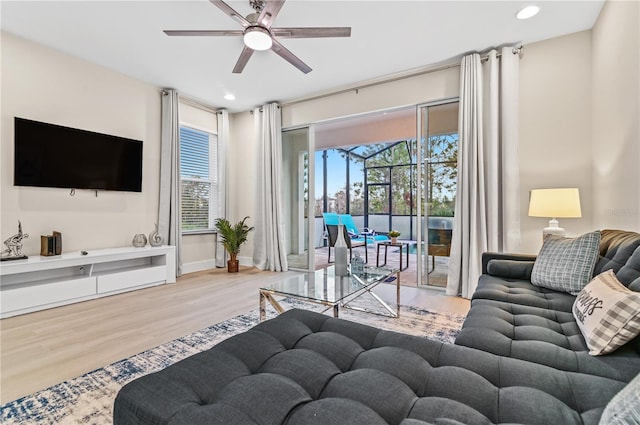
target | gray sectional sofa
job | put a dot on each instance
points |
(511, 317)
(519, 359)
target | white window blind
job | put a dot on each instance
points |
(198, 175)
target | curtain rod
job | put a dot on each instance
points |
(261, 110)
(196, 104)
(484, 57)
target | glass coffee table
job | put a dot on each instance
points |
(325, 288)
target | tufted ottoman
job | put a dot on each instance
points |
(305, 368)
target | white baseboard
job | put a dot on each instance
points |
(198, 266)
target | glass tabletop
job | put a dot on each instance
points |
(324, 286)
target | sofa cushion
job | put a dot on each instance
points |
(510, 269)
(607, 313)
(629, 274)
(521, 291)
(616, 248)
(624, 408)
(543, 336)
(566, 264)
(358, 375)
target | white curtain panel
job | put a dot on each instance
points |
(269, 252)
(169, 208)
(223, 144)
(487, 212)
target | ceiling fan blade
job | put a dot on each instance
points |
(269, 12)
(203, 33)
(289, 57)
(242, 60)
(311, 32)
(231, 12)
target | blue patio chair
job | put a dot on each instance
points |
(368, 234)
(331, 222)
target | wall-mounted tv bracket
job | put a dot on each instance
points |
(73, 192)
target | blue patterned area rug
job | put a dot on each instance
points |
(88, 399)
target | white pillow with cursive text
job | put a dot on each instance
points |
(607, 313)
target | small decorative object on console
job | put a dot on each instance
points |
(139, 240)
(394, 236)
(14, 245)
(155, 239)
(51, 244)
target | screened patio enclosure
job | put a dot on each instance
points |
(391, 170)
(382, 183)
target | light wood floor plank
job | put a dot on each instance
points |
(40, 349)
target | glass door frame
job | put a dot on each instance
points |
(422, 185)
(310, 222)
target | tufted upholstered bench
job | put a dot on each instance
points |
(305, 368)
(511, 317)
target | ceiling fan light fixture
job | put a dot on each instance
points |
(257, 38)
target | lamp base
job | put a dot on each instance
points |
(553, 229)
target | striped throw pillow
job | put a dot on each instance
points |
(607, 313)
(566, 264)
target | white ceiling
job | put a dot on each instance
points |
(387, 37)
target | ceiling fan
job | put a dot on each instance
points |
(258, 34)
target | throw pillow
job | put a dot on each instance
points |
(566, 264)
(624, 409)
(607, 313)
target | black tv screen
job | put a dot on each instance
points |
(48, 155)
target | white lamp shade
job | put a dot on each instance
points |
(556, 203)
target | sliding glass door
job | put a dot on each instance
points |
(298, 168)
(438, 150)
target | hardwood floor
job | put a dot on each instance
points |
(43, 348)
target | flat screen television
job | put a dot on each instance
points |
(48, 155)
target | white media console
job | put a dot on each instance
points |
(39, 283)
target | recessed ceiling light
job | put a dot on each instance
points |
(528, 12)
(229, 96)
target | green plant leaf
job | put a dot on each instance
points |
(233, 236)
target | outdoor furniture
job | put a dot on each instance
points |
(399, 244)
(332, 236)
(368, 235)
(439, 244)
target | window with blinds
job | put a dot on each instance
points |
(198, 179)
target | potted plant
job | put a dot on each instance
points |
(394, 236)
(232, 238)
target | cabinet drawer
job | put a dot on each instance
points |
(41, 294)
(131, 278)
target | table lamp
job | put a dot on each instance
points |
(554, 203)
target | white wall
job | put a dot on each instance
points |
(410, 91)
(46, 85)
(616, 116)
(555, 129)
(242, 176)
